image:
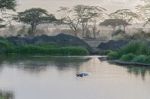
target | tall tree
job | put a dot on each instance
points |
(68, 18)
(88, 15)
(34, 17)
(80, 16)
(126, 15)
(114, 23)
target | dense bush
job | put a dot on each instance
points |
(4, 45)
(137, 48)
(113, 55)
(136, 51)
(127, 57)
(42, 49)
(140, 58)
(147, 59)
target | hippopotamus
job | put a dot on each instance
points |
(82, 74)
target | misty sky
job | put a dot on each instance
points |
(53, 5)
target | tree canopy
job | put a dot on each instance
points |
(125, 14)
(114, 22)
(8, 4)
(80, 16)
(34, 17)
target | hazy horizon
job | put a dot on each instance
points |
(53, 5)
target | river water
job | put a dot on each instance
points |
(55, 78)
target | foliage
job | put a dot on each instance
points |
(136, 51)
(79, 17)
(34, 17)
(124, 14)
(137, 48)
(47, 50)
(127, 57)
(113, 55)
(4, 44)
(43, 49)
(147, 60)
(7, 4)
(140, 58)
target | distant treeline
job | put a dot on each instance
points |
(81, 19)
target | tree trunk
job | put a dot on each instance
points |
(33, 29)
(75, 33)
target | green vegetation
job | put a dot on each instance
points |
(113, 55)
(42, 49)
(34, 17)
(2, 97)
(6, 95)
(7, 4)
(136, 51)
(45, 50)
(127, 57)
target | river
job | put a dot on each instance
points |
(55, 78)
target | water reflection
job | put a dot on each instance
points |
(139, 71)
(38, 64)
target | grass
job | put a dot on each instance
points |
(7, 48)
(136, 51)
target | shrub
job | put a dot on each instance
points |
(4, 45)
(127, 57)
(113, 55)
(140, 58)
(136, 47)
(147, 59)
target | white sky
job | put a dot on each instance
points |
(53, 5)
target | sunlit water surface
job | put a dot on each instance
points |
(55, 78)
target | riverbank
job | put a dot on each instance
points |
(118, 62)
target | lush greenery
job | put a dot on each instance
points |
(136, 51)
(7, 47)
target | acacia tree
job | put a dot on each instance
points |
(126, 15)
(6, 5)
(34, 17)
(88, 16)
(68, 18)
(80, 16)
